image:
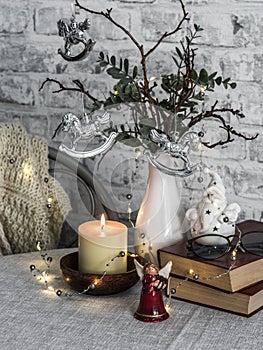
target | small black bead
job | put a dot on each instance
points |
(226, 219)
(173, 290)
(49, 206)
(201, 134)
(129, 196)
(122, 254)
(196, 276)
(32, 267)
(59, 292)
(11, 161)
(142, 235)
(46, 179)
(49, 259)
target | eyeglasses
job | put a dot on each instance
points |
(213, 246)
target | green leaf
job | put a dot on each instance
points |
(126, 66)
(226, 80)
(101, 55)
(218, 80)
(233, 85)
(128, 89)
(175, 61)
(203, 76)
(179, 53)
(135, 91)
(135, 72)
(115, 73)
(194, 74)
(113, 60)
(211, 76)
(120, 63)
(125, 80)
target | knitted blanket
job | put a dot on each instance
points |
(33, 205)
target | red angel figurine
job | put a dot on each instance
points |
(151, 307)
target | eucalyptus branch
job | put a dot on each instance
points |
(80, 88)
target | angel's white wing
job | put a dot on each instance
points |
(139, 269)
(165, 271)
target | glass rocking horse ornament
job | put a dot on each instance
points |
(86, 129)
(151, 307)
(74, 34)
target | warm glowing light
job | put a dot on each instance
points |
(51, 288)
(50, 200)
(191, 272)
(202, 89)
(96, 281)
(133, 255)
(27, 170)
(168, 308)
(102, 221)
(39, 246)
(234, 253)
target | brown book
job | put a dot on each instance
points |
(247, 270)
(244, 302)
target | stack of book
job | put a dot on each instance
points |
(239, 291)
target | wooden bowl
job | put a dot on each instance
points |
(111, 283)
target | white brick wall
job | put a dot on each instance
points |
(231, 44)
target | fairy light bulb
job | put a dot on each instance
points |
(191, 272)
(234, 255)
(202, 90)
(39, 246)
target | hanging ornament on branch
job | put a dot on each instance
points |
(74, 35)
(86, 129)
(177, 148)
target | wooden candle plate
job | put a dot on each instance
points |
(111, 283)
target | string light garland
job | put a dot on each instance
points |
(191, 274)
(43, 275)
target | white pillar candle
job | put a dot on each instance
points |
(99, 244)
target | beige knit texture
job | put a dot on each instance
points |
(25, 190)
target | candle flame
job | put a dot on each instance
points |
(102, 221)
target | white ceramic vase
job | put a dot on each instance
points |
(160, 218)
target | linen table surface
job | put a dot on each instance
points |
(32, 317)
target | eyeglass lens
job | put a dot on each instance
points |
(253, 242)
(210, 246)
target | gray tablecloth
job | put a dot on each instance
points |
(33, 318)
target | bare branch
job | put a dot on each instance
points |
(108, 16)
(80, 88)
(228, 128)
(167, 34)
